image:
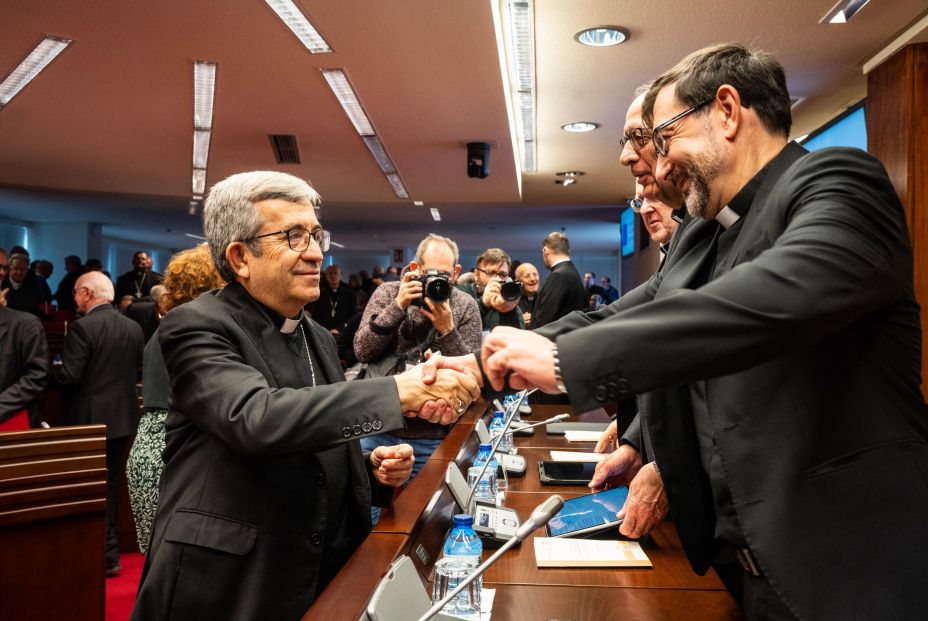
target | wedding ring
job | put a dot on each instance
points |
(460, 406)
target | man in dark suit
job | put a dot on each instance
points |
(64, 294)
(563, 290)
(137, 282)
(265, 492)
(24, 290)
(100, 366)
(23, 359)
(336, 303)
(779, 351)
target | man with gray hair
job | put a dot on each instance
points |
(100, 365)
(265, 492)
(401, 318)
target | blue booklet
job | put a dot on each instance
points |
(589, 514)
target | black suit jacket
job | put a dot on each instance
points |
(31, 294)
(23, 362)
(130, 284)
(562, 293)
(808, 338)
(244, 505)
(346, 307)
(101, 360)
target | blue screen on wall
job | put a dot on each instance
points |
(627, 228)
(849, 130)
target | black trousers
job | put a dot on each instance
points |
(115, 449)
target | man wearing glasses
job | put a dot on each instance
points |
(784, 412)
(100, 364)
(491, 272)
(23, 362)
(265, 491)
(401, 318)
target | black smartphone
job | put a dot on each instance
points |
(566, 472)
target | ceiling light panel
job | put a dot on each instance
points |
(199, 181)
(41, 55)
(204, 88)
(398, 186)
(520, 35)
(291, 15)
(435, 215)
(200, 147)
(380, 154)
(346, 96)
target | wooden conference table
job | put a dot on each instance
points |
(420, 519)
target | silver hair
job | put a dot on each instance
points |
(229, 213)
(429, 239)
(156, 292)
(99, 284)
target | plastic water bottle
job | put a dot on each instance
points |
(463, 543)
(496, 428)
(486, 488)
(508, 402)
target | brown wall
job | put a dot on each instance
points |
(897, 134)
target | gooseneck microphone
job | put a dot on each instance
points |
(499, 438)
(539, 517)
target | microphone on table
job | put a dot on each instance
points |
(495, 444)
(539, 517)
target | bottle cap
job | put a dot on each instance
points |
(463, 519)
(485, 447)
(498, 414)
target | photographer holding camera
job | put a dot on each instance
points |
(424, 310)
(497, 294)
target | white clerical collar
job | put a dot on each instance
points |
(290, 325)
(727, 217)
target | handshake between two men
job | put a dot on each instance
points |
(520, 359)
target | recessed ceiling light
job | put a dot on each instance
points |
(580, 127)
(843, 11)
(39, 58)
(435, 215)
(602, 36)
(571, 173)
(565, 182)
(418, 203)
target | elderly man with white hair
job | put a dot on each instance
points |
(101, 361)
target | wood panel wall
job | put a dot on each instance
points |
(897, 134)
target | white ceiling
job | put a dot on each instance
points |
(113, 114)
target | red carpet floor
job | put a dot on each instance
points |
(120, 591)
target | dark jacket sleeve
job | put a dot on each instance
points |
(843, 252)
(74, 356)
(32, 352)
(213, 365)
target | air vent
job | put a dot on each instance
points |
(285, 148)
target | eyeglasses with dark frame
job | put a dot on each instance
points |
(499, 274)
(298, 238)
(660, 143)
(639, 137)
(636, 204)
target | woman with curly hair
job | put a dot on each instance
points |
(190, 273)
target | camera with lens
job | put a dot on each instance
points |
(511, 290)
(435, 285)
